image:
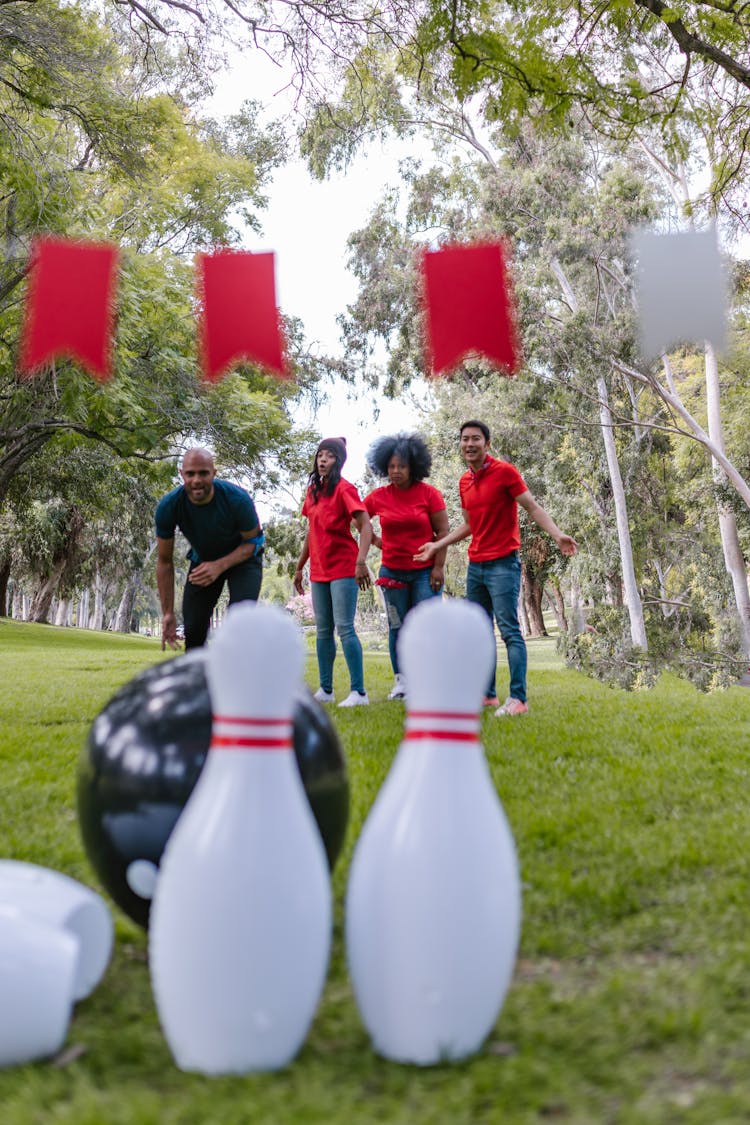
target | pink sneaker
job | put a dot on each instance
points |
(490, 701)
(512, 707)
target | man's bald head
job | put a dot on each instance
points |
(198, 455)
(198, 472)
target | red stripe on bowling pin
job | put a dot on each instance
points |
(443, 726)
(231, 732)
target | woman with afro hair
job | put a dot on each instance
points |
(338, 567)
(407, 509)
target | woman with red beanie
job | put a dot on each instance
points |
(338, 567)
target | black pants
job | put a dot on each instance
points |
(199, 602)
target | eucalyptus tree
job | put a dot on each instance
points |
(565, 231)
(621, 63)
(568, 209)
(95, 143)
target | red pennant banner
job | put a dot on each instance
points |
(240, 318)
(468, 307)
(70, 305)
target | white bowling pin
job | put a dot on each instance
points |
(433, 904)
(240, 923)
(37, 978)
(49, 896)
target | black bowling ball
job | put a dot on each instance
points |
(145, 752)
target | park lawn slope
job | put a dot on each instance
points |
(631, 998)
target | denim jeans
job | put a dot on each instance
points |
(398, 602)
(334, 605)
(495, 586)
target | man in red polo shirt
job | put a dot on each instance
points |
(491, 491)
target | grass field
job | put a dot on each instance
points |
(631, 998)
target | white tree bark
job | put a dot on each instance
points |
(632, 596)
(730, 540)
(97, 620)
(577, 614)
(83, 610)
(523, 616)
(124, 614)
(673, 400)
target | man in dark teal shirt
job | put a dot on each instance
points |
(220, 523)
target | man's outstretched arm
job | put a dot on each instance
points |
(165, 586)
(566, 543)
(428, 551)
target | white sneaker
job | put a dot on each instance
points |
(324, 696)
(398, 691)
(354, 699)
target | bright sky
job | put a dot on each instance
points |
(307, 224)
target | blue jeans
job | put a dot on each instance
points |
(334, 605)
(398, 602)
(495, 586)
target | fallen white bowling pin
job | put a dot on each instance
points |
(55, 898)
(38, 965)
(433, 906)
(240, 923)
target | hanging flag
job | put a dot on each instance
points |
(468, 307)
(681, 290)
(240, 318)
(70, 305)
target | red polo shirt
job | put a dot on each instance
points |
(405, 522)
(489, 498)
(333, 550)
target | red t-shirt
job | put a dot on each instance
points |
(489, 498)
(405, 523)
(333, 550)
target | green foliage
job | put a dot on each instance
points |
(99, 139)
(179, 184)
(369, 107)
(284, 538)
(567, 210)
(622, 66)
(701, 647)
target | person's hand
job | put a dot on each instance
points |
(205, 573)
(169, 632)
(299, 580)
(437, 578)
(426, 553)
(567, 544)
(377, 541)
(362, 574)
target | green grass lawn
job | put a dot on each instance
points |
(631, 998)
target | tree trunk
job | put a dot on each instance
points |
(523, 616)
(83, 615)
(42, 599)
(556, 600)
(124, 614)
(97, 621)
(532, 591)
(62, 614)
(18, 610)
(632, 596)
(4, 579)
(730, 540)
(666, 609)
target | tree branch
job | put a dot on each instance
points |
(692, 44)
